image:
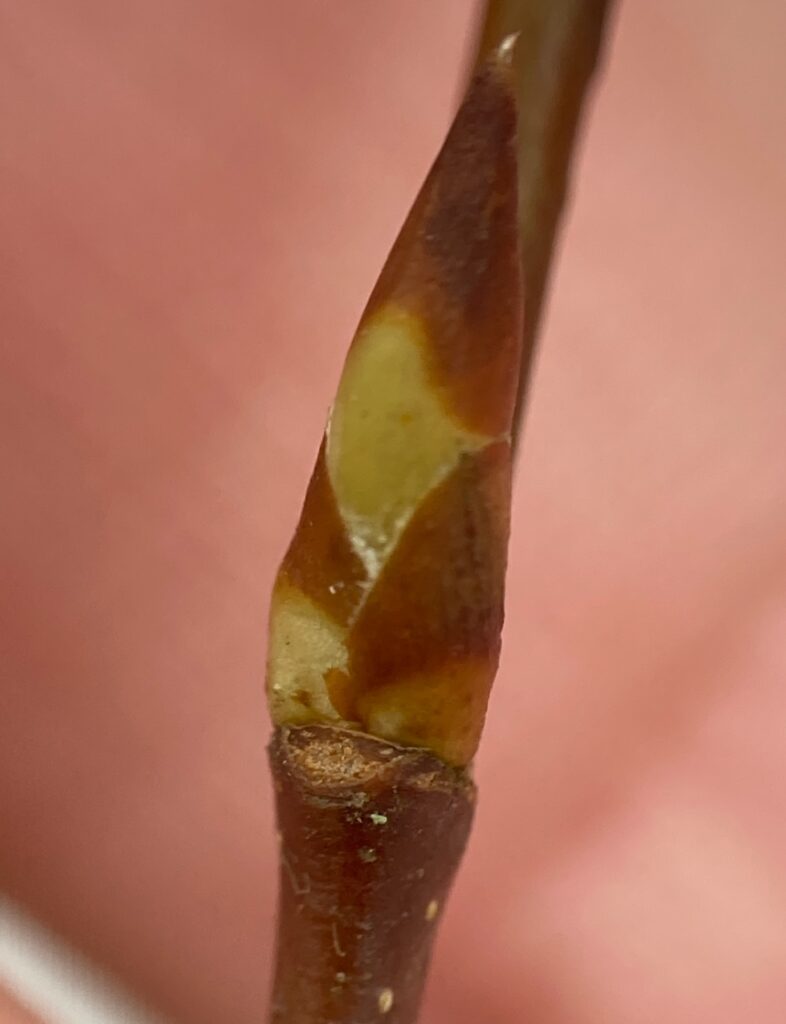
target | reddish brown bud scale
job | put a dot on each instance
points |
(428, 637)
(320, 552)
(455, 263)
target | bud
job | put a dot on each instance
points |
(388, 607)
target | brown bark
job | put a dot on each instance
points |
(555, 56)
(371, 836)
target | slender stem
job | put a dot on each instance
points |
(554, 60)
(371, 836)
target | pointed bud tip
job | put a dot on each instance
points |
(455, 265)
(505, 51)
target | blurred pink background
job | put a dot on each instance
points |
(195, 199)
(12, 1013)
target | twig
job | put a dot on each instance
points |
(373, 834)
(556, 54)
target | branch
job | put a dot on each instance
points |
(556, 54)
(371, 836)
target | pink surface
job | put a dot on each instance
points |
(195, 198)
(11, 1012)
